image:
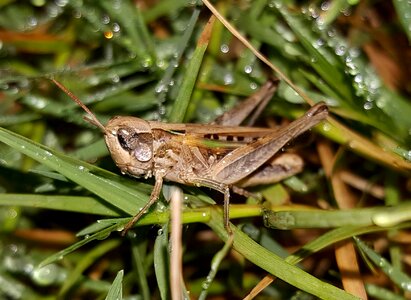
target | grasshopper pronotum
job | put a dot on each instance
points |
(219, 156)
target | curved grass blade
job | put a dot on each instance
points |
(400, 278)
(104, 184)
(85, 262)
(274, 264)
(116, 289)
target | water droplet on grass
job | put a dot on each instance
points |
(46, 275)
(224, 48)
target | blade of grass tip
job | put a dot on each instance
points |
(379, 293)
(161, 262)
(138, 263)
(183, 98)
(215, 264)
(116, 290)
(382, 216)
(85, 262)
(403, 12)
(101, 235)
(401, 279)
(274, 264)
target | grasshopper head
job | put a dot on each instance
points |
(130, 143)
(128, 139)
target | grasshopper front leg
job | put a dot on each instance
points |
(155, 193)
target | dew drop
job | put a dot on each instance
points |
(319, 43)
(325, 5)
(406, 286)
(46, 275)
(115, 78)
(108, 34)
(32, 21)
(340, 50)
(358, 78)
(52, 11)
(228, 79)
(368, 105)
(326, 127)
(61, 3)
(224, 48)
(105, 19)
(248, 69)
(162, 110)
(116, 28)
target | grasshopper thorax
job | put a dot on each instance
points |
(130, 142)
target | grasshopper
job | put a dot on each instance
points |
(221, 155)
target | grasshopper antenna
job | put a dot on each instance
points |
(91, 117)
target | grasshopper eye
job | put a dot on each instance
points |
(139, 144)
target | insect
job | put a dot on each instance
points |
(220, 156)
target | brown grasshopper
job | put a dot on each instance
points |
(219, 156)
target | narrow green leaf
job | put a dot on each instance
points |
(116, 289)
(86, 261)
(161, 262)
(333, 236)
(400, 278)
(86, 205)
(380, 216)
(104, 184)
(403, 9)
(138, 261)
(273, 264)
(183, 98)
(101, 235)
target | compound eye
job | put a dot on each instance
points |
(139, 144)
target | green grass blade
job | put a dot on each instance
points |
(333, 236)
(116, 289)
(108, 186)
(183, 98)
(85, 262)
(161, 262)
(86, 205)
(381, 216)
(138, 262)
(400, 278)
(403, 11)
(101, 235)
(275, 265)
